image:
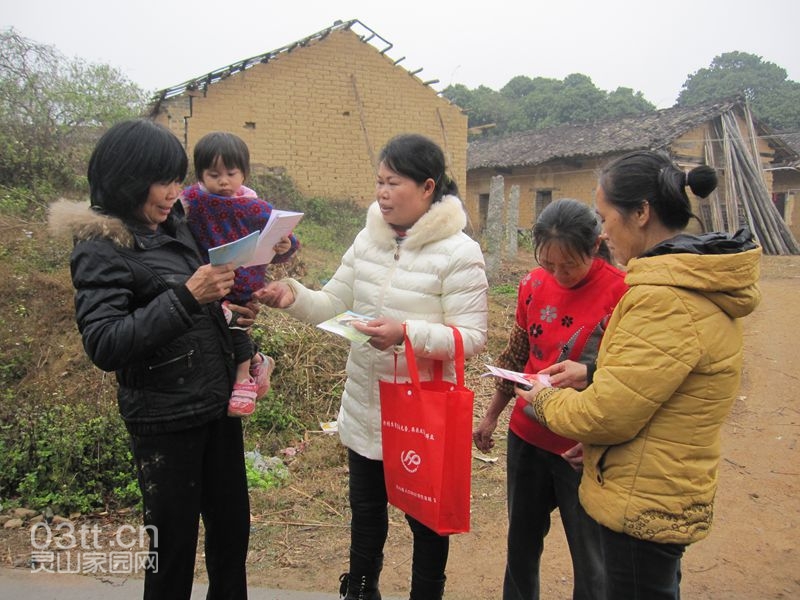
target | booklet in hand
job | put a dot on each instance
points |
(523, 380)
(258, 247)
(342, 324)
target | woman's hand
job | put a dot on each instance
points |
(574, 456)
(482, 435)
(529, 393)
(245, 316)
(567, 373)
(276, 294)
(383, 332)
(210, 283)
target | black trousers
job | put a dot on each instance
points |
(640, 569)
(370, 526)
(183, 476)
(538, 483)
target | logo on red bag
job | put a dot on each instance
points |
(411, 460)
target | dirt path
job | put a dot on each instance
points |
(752, 550)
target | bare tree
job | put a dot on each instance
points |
(51, 109)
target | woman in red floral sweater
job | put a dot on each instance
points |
(562, 309)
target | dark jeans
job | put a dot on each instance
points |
(538, 482)
(641, 570)
(370, 525)
(183, 476)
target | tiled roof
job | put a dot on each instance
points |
(650, 131)
(791, 139)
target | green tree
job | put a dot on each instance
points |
(526, 103)
(536, 107)
(521, 86)
(773, 98)
(624, 102)
(581, 101)
(483, 105)
(51, 110)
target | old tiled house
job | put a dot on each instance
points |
(320, 109)
(786, 185)
(563, 161)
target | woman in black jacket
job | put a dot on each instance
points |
(147, 308)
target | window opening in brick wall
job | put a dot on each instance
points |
(543, 198)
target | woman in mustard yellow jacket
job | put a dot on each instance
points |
(668, 370)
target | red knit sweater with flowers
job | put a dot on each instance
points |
(216, 220)
(552, 324)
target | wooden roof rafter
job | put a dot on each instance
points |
(366, 34)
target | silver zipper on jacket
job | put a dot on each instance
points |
(397, 251)
(187, 356)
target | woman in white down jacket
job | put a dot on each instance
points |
(413, 266)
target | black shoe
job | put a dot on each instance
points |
(358, 588)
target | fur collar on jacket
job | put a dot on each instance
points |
(443, 219)
(82, 222)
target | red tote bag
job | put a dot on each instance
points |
(427, 444)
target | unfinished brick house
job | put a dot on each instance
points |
(563, 162)
(319, 109)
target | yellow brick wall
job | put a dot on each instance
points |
(322, 112)
(574, 180)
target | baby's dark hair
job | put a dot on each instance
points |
(651, 176)
(573, 225)
(224, 146)
(129, 158)
(415, 156)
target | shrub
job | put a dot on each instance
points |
(68, 456)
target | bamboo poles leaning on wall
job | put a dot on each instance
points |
(745, 186)
(719, 220)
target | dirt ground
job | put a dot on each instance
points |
(300, 531)
(752, 550)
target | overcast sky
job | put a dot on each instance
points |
(649, 46)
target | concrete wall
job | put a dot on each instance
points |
(322, 112)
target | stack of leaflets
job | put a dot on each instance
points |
(342, 324)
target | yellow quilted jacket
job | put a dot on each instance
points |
(668, 372)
